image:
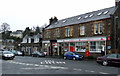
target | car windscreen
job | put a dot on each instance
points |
(5, 52)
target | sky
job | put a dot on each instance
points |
(20, 14)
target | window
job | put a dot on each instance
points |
(47, 34)
(91, 15)
(80, 46)
(105, 12)
(68, 31)
(98, 28)
(99, 13)
(79, 18)
(82, 30)
(96, 46)
(57, 33)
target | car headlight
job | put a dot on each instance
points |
(77, 56)
(5, 55)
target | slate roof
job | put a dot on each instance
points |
(91, 16)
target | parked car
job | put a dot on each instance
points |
(7, 55)
(38, 54)
(109, 59)
(72, 55)
(13, 51)
(18, 53)
(1, 49)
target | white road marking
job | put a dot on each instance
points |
(103, 73)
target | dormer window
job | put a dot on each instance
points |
(79, 18)
(56, 23)
(105, 12)
(99, 13)
(86, 16)
(91, 15)
(64, 21)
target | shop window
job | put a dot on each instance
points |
(65, 46)
(80, 46)
(96, 46)
(82, 30)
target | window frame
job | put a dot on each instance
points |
(82, 30)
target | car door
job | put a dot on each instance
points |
(112, 58)
(70, 55)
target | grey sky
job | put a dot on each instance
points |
(20, 14)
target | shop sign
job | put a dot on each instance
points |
(84, 39)
(53, 44)
(108, 38)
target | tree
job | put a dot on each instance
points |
(5, 27)
(27, 31)
(38, 30)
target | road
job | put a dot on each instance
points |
(34, 65)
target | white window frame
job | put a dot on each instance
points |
(100, 28)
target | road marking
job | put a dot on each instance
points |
(103, 73)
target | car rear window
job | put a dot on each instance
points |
(112, 56)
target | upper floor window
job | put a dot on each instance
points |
(98, 28)
(82, 30)
(57, 33)
(47, 34)
(68, 31)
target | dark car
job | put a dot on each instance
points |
(72, 55)
(38, 54)
(7, 55)
(109, 59)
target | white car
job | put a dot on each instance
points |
(7, 55)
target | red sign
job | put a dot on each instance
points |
(53, 44)
(87, 53)
(108, 38)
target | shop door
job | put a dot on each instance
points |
(60, 50)
(71, 48)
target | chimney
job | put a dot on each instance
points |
(117, 3)
(50, 21)
(53, 20)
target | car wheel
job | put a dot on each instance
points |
(74, 58)
(65, 57)
(105, 63)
